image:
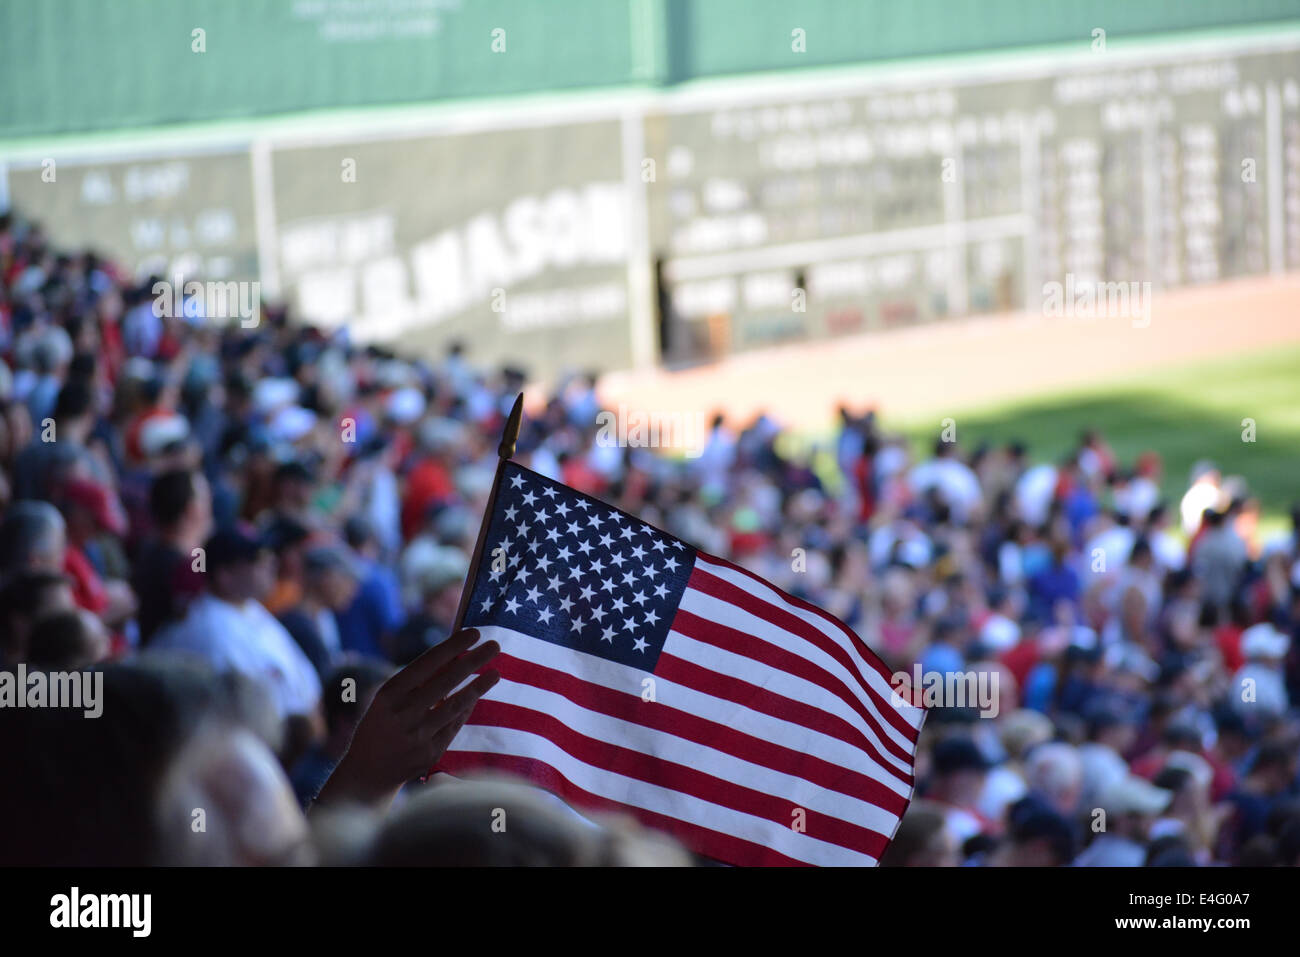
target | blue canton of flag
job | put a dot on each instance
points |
(566, 568)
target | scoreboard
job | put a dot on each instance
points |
(786, 216)
(611, 231)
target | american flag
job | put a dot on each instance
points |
(639, 674)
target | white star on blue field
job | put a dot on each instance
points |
(566, 568)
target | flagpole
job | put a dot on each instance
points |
(505, 452)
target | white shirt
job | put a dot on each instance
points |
(1034, 492)
(249, 640)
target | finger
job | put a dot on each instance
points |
(429, 694)
(457, 708)
(443, 738)
(430, 663)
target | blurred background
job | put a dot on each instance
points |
(869, 236)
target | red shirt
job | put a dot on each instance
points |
(87, 590)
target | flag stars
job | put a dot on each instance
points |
(608, 635)
(545, 616)
(529, 498)
(533, 594)
(512, 605)
(516, 481)
(639, 644)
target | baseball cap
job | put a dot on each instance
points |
(1134, 795)
(97, 500)
(959, 754)
(1264, 641)
(232, 545)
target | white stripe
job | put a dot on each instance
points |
(911, 714)
(779, 682)
(491, 739)
(712, 761)
(723, 612)
(756, 724)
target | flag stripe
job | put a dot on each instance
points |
(700, 642)
(730, 784)
(527, 686)
(715, 680)
(774, 740)
(703, 840)
(871, 670)
(652, 796)
(802, 639)
(753, 636)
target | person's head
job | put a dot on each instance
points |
(330, 576)
(238, 567)
(171, 741)
(1131, 804)
(439, 584)
(25, 598)
(75, 407)
(960, 769)
(1273, 769)
(67, 641)
(89, 509)
(33, 537)
(1054, 771)
(360, 536)
(347, 694)
(291, 487)
(1038, 836)
(180, 504)
(921, 840)
(502, 823)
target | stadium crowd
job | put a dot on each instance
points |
(251, 530)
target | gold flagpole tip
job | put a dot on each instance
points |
(510, 435)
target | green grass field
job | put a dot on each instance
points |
(1183, 413)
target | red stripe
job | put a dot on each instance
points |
(700, 840)
(685, 724)
(702, 580)
(677, 777)
(742, 643)
(768, 702)
(750, 646)
(870, 657)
